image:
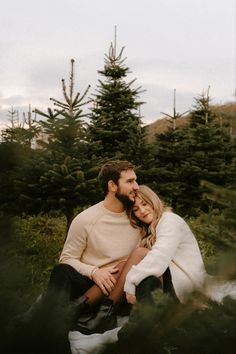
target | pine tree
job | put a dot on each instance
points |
(115, 130)
(211, 150)
(63, 154)
(22, 132)
(63, 131)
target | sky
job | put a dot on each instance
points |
(187, 45)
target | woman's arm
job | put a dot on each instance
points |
(169, 236)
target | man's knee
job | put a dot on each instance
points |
(61, 270)
(61, 275)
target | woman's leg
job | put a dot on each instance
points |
(95, 295)
(135, 257)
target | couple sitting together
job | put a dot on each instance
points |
(121, 249)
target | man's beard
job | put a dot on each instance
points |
(124, 199)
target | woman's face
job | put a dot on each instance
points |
(143, 211)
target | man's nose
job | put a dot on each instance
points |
(136, 186)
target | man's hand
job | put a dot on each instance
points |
(131, 299)
(104, 279)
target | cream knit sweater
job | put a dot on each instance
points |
(98, 238)
(176, 248)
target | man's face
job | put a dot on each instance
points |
(127, 187)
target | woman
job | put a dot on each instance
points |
(173, 248)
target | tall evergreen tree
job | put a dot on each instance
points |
(63, 155)
(115, 129)
(63, 131)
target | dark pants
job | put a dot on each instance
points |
(149, 284)
(65, 279)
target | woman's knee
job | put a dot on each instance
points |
(149, 284)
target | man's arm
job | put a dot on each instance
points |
(104, 278)
(73, 249)
(76, 243)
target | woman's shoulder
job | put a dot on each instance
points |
(170, 216)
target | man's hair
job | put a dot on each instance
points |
(111, 170)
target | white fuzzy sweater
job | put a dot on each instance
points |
(176, 248)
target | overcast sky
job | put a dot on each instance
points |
(182, 44)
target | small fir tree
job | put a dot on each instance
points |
(22, 132)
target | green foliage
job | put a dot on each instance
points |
(63, 187)
(17, 162)
(182, 157)
(40, 240)
(34, 242)
(29, 248)
(165, 326)
(227, 223)
(208, 233)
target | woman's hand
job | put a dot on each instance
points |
(131, 299)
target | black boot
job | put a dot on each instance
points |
(104, 320)
(80, 308)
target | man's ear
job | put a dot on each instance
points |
(112, 187)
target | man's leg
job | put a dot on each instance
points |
(67, 281)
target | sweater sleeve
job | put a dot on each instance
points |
(74, 247)
(169, 235)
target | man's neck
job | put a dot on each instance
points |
(113, 204)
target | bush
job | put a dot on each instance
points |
(29, 247)
(40, 240)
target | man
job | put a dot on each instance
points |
(99, 238)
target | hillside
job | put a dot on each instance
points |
(226, 111)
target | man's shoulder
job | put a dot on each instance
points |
(90, 213)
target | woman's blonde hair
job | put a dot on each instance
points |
(148, 232)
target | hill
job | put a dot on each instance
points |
(226, 111)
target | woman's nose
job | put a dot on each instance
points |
(142, 209)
